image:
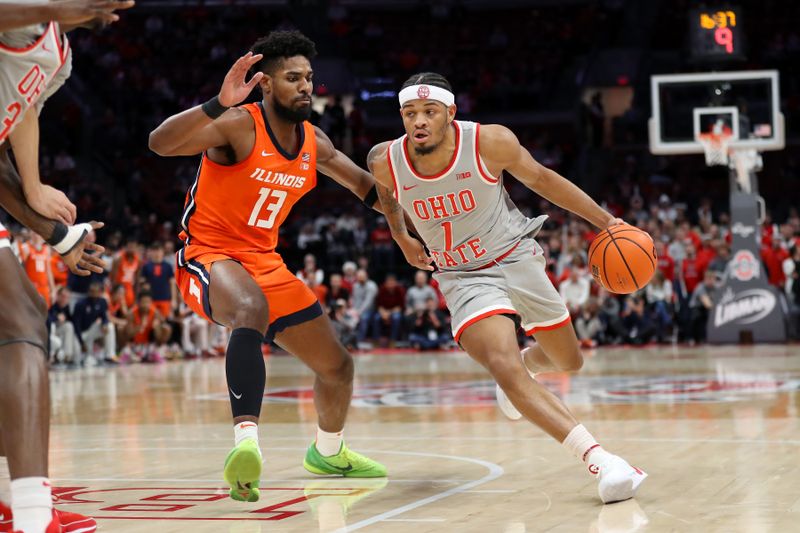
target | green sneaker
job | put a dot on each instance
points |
(346, 463)
(243, 471)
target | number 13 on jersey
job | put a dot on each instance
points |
(277, 198)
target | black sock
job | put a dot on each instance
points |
(246, 373)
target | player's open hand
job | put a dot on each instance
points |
(415, 253)
(51, 203)
(74, 12)
(84, 258)
(234, 87)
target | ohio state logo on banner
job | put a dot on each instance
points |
(744, 266)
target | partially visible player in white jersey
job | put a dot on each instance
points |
(447, 174)
(34, 62)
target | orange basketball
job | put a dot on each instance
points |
(622, 259)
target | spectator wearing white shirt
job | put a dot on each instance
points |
(575, 291)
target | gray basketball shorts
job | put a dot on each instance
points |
(516, 285)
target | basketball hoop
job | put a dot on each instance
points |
(716, 146)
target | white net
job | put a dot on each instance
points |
(716, 147)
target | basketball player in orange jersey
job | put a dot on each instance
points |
(125, 271)
(447, 174)
(258, 161)
(59, 270)
(36, 261)
(34, 59)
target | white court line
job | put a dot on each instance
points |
(415, 520)
(491, 491)
(495, 471)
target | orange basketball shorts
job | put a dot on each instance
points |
(290, 301)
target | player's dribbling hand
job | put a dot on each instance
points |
(84, 258)
(234, 88)
(615, 222)
(415, 253)
(79, 11)
(51, 203)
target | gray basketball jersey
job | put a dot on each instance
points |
(34, 62)
(463, 214)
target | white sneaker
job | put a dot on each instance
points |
(504, 403)
(618, 480)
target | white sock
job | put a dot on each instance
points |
(31, 503)
(583, 446)
(5, 480)
(328, 443)
(245, 430)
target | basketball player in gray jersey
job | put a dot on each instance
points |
(447, 175)
(34, 62)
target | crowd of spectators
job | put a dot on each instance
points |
(94, 146)
(133, 312)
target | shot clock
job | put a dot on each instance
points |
(716, 33)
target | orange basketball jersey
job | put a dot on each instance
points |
(36, 262)
(127, 269)
(239, 208)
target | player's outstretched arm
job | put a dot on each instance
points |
(207, 126)
(81, 257)
(343, 170)
(413, 250)
(48, 201)
(66, 12)
(501, 150)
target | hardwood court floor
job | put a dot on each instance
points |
(718, 430)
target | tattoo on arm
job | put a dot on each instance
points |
(373, 156)
(392, 210)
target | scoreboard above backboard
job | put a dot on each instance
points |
(716, 33)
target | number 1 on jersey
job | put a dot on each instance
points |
(448, 236)
(273, 207)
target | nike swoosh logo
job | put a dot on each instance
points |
(409, 187)
(237, 396)
(347, 468)
(264, 153)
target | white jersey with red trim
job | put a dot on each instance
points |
(463, 213)
(34, 62)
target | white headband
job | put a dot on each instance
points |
(426, 92)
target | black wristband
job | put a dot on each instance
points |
(59, 232)
(371, 197)
(213, 108)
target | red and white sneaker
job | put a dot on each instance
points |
(618, 481)
(5, 519)
(65, 522)
(76, 523)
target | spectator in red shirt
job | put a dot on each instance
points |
(382, 246)
(665, 262)
(390, 301)
(691, 271)
(773, 257)
(707, 252)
